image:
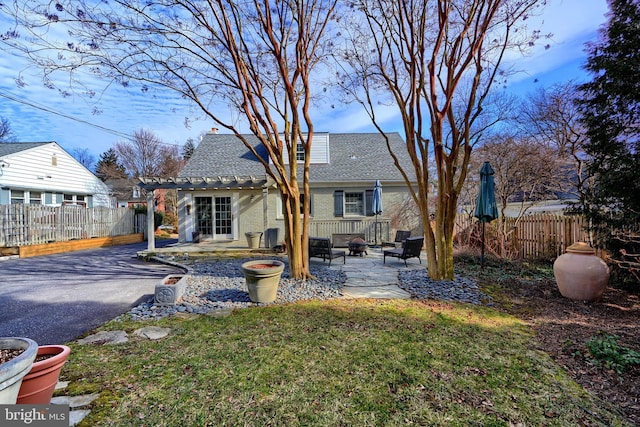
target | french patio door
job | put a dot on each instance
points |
(214, 217)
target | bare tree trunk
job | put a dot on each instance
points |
(254, 58)
(436, 61)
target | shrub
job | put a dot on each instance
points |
(170, 218)
(608, 353)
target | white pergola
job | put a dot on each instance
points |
(231, 182)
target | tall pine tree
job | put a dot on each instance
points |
(188, 148)
(109, 166)
(610, 107)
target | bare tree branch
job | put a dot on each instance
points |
(255, 58)
(436, 61)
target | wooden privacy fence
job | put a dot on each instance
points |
(547, 235)
(22, 225)
(534, 236)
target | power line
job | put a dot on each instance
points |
(44, 108)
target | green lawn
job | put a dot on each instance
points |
(335, 363)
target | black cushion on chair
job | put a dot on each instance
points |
(320, 247)
(401, 236)
(411, 249)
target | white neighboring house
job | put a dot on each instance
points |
(43, 173)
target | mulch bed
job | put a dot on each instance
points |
(564, 326)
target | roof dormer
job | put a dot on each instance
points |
(319, 150)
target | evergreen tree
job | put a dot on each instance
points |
(187, 149)
(109, 166)
(610, 107)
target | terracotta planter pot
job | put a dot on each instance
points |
(38, 385)
(13, 371)
(580, 274)
(262, 277)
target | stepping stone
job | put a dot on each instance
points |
(223, 312)
(389, 291)
(360, 283)
(152, 332)
(105, 337)
(75, 401)
(77, 415)
(61, 384)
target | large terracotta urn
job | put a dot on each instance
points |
(581, 275)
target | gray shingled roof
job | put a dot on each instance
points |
(7, 148)
(224, 154)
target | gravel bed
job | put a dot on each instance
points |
(419, 285)
(216, 285)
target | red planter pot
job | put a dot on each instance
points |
(38, 385)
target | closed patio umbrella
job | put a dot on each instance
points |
(486, 208)
(376, 205)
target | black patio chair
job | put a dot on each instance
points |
(322, 248)
(410, 249)
(401, 236)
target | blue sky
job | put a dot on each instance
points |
(122, 111)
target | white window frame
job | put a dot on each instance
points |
(362, 203)
(14, 200)
(280, 215)
(299, 152)
(74, 200)
(235, 211)
(35, 200)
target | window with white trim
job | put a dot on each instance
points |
(280, 208)
(300, 152)
(353, 203)
(35, 198)
(17, 197)
(73, 199)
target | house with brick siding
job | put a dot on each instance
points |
(223, 191)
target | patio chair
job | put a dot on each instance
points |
(410, 249)
(322, 248)
(401, 236)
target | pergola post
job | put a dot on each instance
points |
(265, 212)
(151, 235)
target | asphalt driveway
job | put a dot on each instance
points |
(53, 299)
